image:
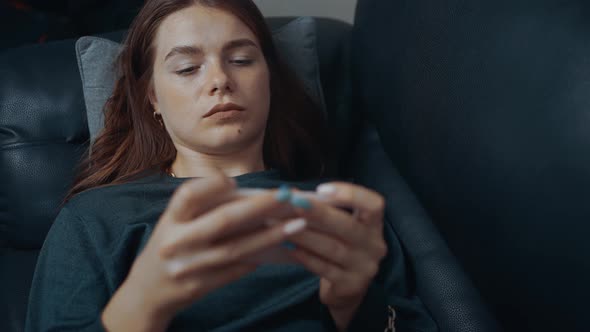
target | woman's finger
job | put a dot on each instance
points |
(196, 196)
(349, 257)
(317, 265)
(224, 221)
(368, 204)
(233, 251)
(327, 247)
(328, 219)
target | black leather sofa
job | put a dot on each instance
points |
(43, 132)
(484, 107)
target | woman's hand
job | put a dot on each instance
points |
(344, 250)
(190, 254)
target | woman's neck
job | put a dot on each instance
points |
(201, 167)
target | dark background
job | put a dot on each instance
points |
(25, 22)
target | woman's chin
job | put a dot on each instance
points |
(233, 140)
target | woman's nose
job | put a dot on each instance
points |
(219, 80)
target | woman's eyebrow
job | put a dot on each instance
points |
(184, 50)
(244, 42)
(194, 50)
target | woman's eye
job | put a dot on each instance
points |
(242, 62)
(187, 71)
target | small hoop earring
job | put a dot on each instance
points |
(159, 120)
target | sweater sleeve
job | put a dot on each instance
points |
(69, 287)
(390, 303)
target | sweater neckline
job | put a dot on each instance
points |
(246, 177)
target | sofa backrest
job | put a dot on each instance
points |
(485, 108)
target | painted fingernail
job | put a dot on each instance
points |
(300, 202)
(326, 190)
(175, 267)
(294, 226)
(284, 193)
(288, 245)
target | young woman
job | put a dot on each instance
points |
(149, 239)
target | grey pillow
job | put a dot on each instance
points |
(296, 41)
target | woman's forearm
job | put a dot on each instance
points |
(342, 318)
(126, 312)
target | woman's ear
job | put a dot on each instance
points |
(152, 96)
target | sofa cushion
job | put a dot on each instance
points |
(43, 131)
(295, 41)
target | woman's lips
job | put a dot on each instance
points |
(225, 115)
(223, 108)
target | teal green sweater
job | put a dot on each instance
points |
(98, 234)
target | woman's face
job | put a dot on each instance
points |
(205, 58)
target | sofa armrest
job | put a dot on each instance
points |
(441, 283)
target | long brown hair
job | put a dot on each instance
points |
(297, 141)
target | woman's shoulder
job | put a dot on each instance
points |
(115, 197)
